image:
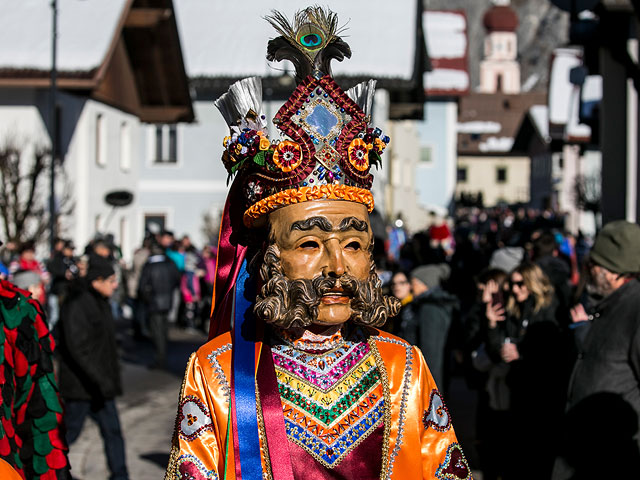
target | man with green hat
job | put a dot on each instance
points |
(603, 398)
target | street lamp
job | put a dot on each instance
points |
(53, 125)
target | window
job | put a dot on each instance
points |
(166, 149)
(426, 154)
(501, 175)
(462, 174)
(154, 222)
(498, 83)
(125, 147)
(101, 141)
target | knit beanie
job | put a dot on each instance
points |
(432, 275)
(99, 267)
(617, 247)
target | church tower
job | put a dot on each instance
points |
(500, 71)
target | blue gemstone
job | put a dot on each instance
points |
(342, 109)
(326, 95)
(322, 120)
(304, 184)
(311, 95)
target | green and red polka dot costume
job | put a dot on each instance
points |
(31, 439)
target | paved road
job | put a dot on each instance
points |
(148, 409)
(147, 412)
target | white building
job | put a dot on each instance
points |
(125, 97)
(119, 67)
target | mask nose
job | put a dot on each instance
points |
(335, 261)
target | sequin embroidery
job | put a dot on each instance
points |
(193, 418)
(217, 369)
(437, 415)
(331, 401)
(189, 467)
(455, 465)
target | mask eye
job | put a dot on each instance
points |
(309, 244)
(353, 246)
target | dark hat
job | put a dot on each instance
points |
(99, 267)
(617, 247)
(432, 275)
(27, 246)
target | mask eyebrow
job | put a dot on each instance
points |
(353, 223)
(313, 222)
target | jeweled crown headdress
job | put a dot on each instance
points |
(327, 146)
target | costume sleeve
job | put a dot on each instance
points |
(197, 448)
(442, 456)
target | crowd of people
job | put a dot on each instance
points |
(506, 298)
(86, 295)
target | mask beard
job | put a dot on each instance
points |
(290, 303)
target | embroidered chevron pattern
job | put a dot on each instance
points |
(331, 401)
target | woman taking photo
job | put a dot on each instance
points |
(524, 335)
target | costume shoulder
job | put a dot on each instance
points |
(199, 440)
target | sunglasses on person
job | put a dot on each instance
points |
(519, 283)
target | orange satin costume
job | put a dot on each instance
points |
(419, 439)
(7, 472)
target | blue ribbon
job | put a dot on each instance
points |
(244, 369)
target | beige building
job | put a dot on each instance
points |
(499, 179)
(488, 166)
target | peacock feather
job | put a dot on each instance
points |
(310, 41)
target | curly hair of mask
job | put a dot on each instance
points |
(294, 303)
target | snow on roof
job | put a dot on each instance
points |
(479, 127)
(446, 79)
(446, 38)
(496, 144)
(229, 39)
(445, 33)
(85, 31)
(540, 116)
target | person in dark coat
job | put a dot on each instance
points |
(433, 307)
(158, 280)
(604, 389)
(89, 367)
(524, 338)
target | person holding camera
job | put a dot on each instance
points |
(523, 336)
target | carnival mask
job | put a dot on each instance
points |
(319, 270)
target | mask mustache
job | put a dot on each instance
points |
(346, 283)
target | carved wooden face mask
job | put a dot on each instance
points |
(319, 269)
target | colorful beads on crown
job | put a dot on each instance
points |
(326, 140)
